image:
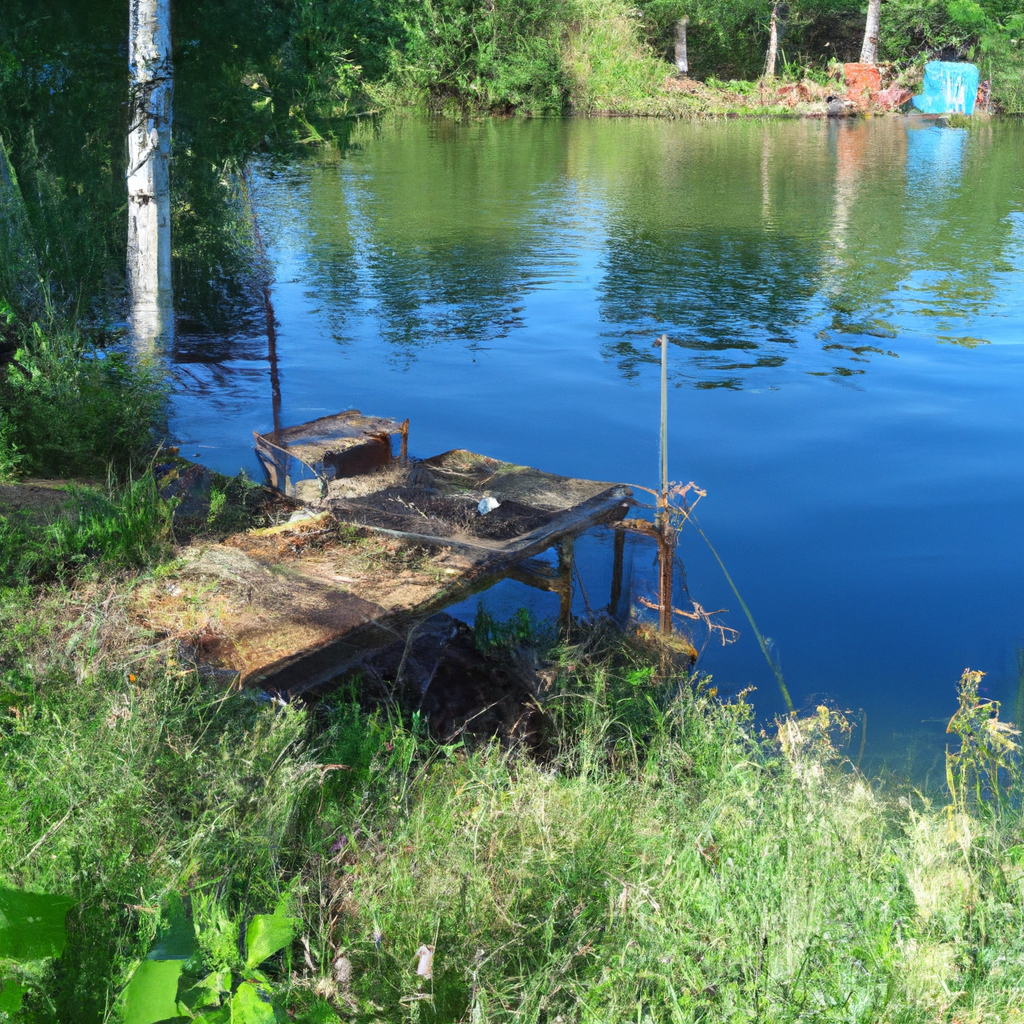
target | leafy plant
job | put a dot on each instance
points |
(522, 629)
(219, 983)
(987, 765)
(125, 526)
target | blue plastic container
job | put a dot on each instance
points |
(949, 88)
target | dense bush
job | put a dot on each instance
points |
(68, 409)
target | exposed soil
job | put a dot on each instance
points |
(42, 501)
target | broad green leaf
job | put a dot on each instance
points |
(151, 995)
(32, 924)
(222, 1015)
(176, 939)
(250, 1005)
(11, 995)
(207, 991)
(319, 1013)
(268, 933)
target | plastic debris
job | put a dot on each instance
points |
(950, 87)
(893, 97)
(487, 504)
(425, 968)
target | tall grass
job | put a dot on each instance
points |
(127, 526)
(667, 864)
(661, 861)
(119, 787)
(70, 409)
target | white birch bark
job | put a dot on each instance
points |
(682, 63)
(869, 51)
(773, 44)
(148, 175)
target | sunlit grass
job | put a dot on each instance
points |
(659, 859)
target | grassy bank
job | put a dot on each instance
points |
(662, 860)
(606, 56)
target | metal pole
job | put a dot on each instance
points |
(663, 342)
(666, 545)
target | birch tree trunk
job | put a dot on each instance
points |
(682, 64)
(773, 44)
(148, 175)
(869, 51)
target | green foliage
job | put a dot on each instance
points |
(11, 456)
(154, 782)
(214, 984)
(71, 410)
(1003, 61)
(268, 934)
(500, 55)
(661, 861)
(235, 504)
(127, 526)
(986, 770)
(662, 864)
(522, 629)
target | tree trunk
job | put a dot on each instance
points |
(148, 175)
(682, 64)
(869, 51)
(773, 44)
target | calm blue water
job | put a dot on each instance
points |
(846, 309)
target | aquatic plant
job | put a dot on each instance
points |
(986, 770)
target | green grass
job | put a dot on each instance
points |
(127, 526)
(668, 865)
(70, 409)
(662, 862)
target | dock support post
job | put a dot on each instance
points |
(665, 534)
(618, 552)
(565, 557)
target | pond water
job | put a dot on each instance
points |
(845, 305)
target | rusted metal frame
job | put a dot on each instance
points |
(598, 509)
(261, 439)
(311, 669)
(663, 534)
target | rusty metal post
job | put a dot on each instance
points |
(663, 344)
(565, 557)
(666, 565)
(665, 534)
(618, 549)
